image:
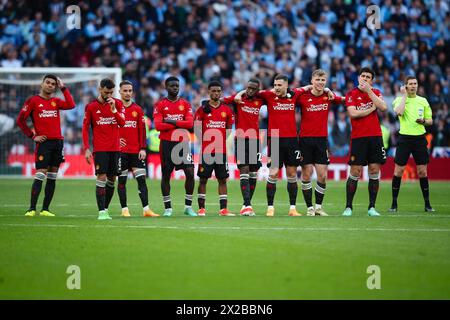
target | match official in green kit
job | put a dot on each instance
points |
(414, 113)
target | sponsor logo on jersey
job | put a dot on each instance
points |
(215, 124)
(317, 107)
(130, 124)
(364, 106)
(250, 110)
(48, 114)
(175, 117)
(284, 107)
(106, 121)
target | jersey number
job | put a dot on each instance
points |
(259, 156)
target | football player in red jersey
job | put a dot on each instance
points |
(283, 147)
(247, 154)
(49, 153)
(173, 118)
(215, 119)
(133, 153)
(315, 106)
(104, 116)
(366, 146)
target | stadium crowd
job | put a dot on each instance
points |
(233, 41)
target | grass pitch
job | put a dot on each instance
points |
(224, 257)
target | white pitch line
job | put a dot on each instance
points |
(226, 228)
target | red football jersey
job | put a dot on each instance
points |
(133, 132)
(105, 125)
(314, 120)
(247, 116)
(214, 128)
(180, 111)
(281, 113)
(45, 115)
(368, 126)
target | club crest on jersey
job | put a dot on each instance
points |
(256, 103)
(352, 158)
(41, 158)
(223, 114)
(134, 114)
(97, 167)
(325, 98)
(181, 107)
(53, 103)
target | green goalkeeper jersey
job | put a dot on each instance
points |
(417, 107)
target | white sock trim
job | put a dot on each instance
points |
(292, 180)
(272, 181)
(319, 189)
(52, 175)
(306, 185)
(375, 176)
(100, 183)
(40, 176)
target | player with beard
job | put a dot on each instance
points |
(366, 145)
(104, 116)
